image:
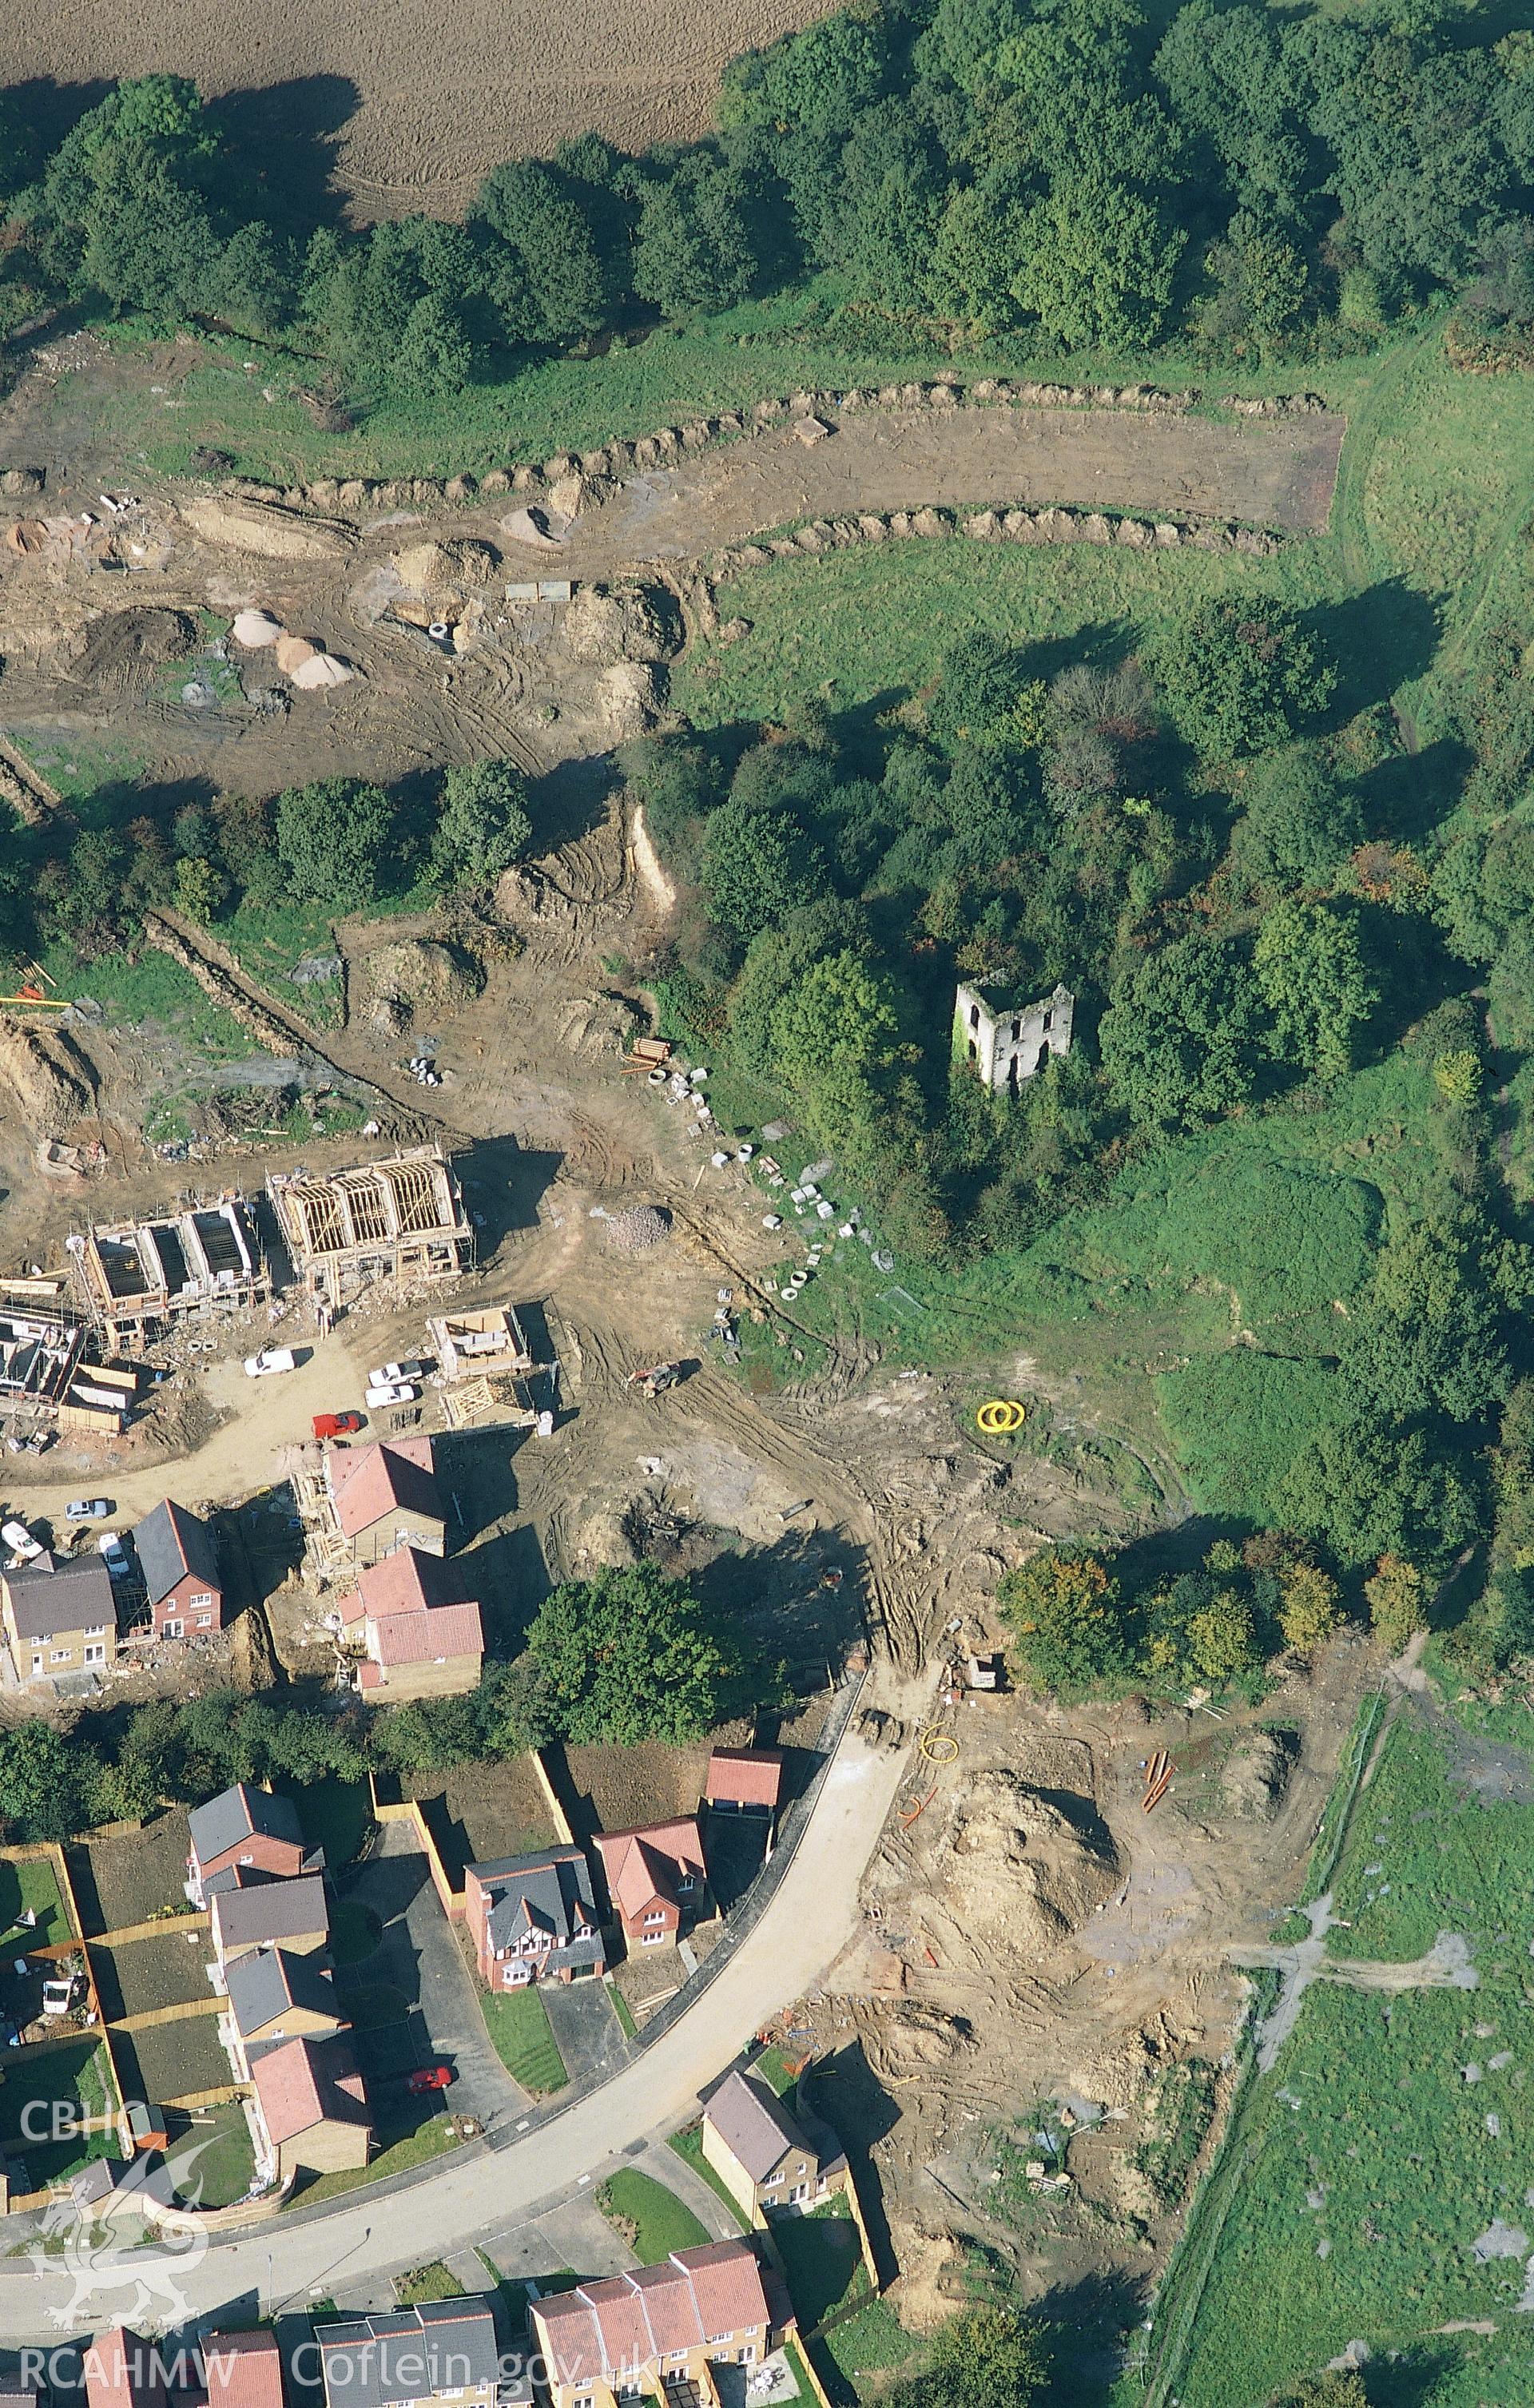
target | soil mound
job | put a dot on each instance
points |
(254, 526)
(444, 570)
(422, 975)
(129, 641)
(1256, 1775)
(53, 1081)
(1024, 1872)
(626, 625)
(255, 629)
(628, 698)
(911, 2042)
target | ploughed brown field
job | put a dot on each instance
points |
(417, 100)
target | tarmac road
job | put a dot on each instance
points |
(365, 2237)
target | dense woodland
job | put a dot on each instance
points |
(1203, 849)
(1066, 173)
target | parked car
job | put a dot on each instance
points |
(430, 2077)
(391, 1374)
(338, 1424)
(19, 1539)
(114, 1555)
(271, 1358)
(89, 1509)
(403, 1392)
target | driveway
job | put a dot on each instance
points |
(586, 2025)
(419, 1955)
(478, 2196)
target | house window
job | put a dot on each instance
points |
(1049, 1020)
(1017, 1030)
(95, 1630)
(96, 1655)
(657, 1915)
(651, 1938)
(717, 2340)
(204, 1622)
(685, 1881)
(62, 1655)
(974, 1015)
(205, 1598)
(748, 2356)
(173, 1631)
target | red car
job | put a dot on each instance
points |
(430, 2077)
(338, 1424)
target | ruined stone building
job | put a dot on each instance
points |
(1006, 1042)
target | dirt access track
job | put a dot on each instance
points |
(418, 101)
(514, 677)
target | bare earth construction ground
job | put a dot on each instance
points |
(420, 101)
(520, 687)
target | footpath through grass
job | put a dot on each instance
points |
(1385, 2162)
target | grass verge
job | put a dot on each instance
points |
(656, 2220)
(518, 2024)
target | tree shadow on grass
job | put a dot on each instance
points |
(1379, 639)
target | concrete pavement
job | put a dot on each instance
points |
(807, 1922)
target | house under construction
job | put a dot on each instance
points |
(401, 1220)
(141, 1277)
(487, 1339)
(45, 1381)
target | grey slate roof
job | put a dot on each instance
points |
(415, 2354)
(550, 1893)
(264, 1986)
(237, 1814)
(69, 1598)
(170, 1541)
(754, 2124)
(258, 1913)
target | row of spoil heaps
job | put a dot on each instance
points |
(618, 458)
(1000, 526)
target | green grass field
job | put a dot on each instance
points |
(822, 2259)
(518, 2024)
(28, 1885)
(762, 348)
(661, 2221)
(1391, 2134)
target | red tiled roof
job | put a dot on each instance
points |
(744, 1776)
(243, 2369)
(447, 1631)
(644, 1865)
(407, 1581)
(305, 2082)
(368, 1482)
(603, 2328)
(671, 2310)
(120, 2372)
(727, 2283)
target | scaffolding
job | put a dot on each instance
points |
(400, 1220)
(143, 1276)
(45, 1381)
